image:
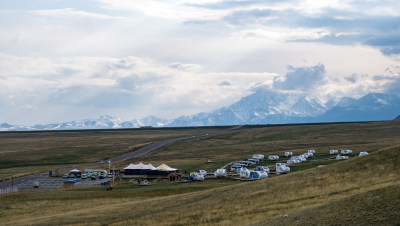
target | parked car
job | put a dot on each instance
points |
(66, 176)
(84, 176)
(110, 175)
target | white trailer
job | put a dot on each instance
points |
(273, 157)
(220, 173)
(203, 172)
(363, 153)
(341, 157)
(197, 176)
(333, 152)
(281, 168)
(288, 154)
(263, 169)
(346, 152)
(244, 173)
(258, 156)
(289, 161)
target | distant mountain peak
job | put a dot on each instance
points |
(260, 107)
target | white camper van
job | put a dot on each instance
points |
(281, 168)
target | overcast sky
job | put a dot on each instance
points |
(62, 60)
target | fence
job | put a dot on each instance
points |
(4, 191)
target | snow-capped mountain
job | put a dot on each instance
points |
(371, 107)
(261, 107)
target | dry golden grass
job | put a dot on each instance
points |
(227, 146)
(244, 203)
(23, 153)
(224, 203)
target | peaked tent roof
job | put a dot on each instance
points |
(140, 166)
(164, 167)
(131, 166)
(75, 170)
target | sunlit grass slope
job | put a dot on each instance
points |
(323, 194)
(23, 153)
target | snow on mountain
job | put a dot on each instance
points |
(371, 107)
(261, 107)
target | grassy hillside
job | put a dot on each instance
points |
(24, 153)
(227, 146)
(364, 189)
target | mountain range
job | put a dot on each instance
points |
(261, 107)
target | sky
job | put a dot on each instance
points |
(63, 60)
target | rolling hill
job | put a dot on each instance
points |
(359, 191)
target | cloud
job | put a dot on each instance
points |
(301, 78)
(391, 51)
(185, 67)
(225, 83)
(129, 87)
(72, 13)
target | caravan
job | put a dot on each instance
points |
(333, 152)
(203, 172)
(288, 154)
(196, 176)
(258, 156)
(346, 152)
(341, 157)
(257, 175)
(263, 169)
(244, 173)
(281, 168)
(220, 173)
(273, 157)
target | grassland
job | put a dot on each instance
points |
(230, 145)
(359, 191)
(23, 153)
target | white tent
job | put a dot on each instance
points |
(140, 166)
(164, 167)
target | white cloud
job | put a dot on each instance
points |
(166, 10)
(129, 86)
(72, 13)
(170, 58)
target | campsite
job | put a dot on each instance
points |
(300, 196)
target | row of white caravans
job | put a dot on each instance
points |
(200, 176)
(256, 159)
(343, 152)
(301, 158)
(240, 167)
